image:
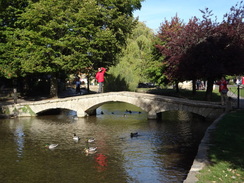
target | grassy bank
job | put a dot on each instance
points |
(227, 153)
(183, 93)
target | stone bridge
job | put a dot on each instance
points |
(87, 104)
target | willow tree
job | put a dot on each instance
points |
(134, 61)
(55, 36)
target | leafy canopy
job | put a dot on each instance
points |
(54, 35)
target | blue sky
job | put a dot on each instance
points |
(154, 12)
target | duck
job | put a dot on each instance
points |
(90, 140)
(134, 134)
(90, 150)
(74, 117)
(129, 111)
(76, 137)
(51, 146)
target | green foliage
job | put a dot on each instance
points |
(117, 83)
(136, 63)
(27, 109)
(48, 36)
(9, 13)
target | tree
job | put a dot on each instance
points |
(171, 47)
(204, 49)
(9, 14)
(55, 36)
(219, 51)
(134, 60)
(155, 68)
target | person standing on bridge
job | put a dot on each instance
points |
(77, 85)
(223, 90)
(100, 78)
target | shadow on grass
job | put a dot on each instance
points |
(226, 152)
(229, 140)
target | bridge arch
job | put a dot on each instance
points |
(52, 111)
(202, 112)
(92, 109)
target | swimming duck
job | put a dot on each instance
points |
(90, 150)
(74, 117)
(76, 138)
(129, 111)
(51, 146)
(90, 140)
(134, 134)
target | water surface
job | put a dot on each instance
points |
(163, 151)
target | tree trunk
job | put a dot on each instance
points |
(53, 86)
(88, 82)
(194, 86)
(177, 86)
(209, 90)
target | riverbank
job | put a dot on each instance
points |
(220, 154)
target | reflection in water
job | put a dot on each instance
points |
(19, 138)
(101, 160)
(19, 141)
(163, 151)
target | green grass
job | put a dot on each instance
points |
(234, 90)
(183, 93)
(200, 94)
(227, 153)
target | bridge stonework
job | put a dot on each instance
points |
(87, 104)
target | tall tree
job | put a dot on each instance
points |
(171, 47)
(134, 60)
(195, 32)
(219, 50)
(9, 14)
(52, 36)
(204, 49)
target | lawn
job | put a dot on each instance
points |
(183, 93)
(226, 153)
(234, 90)
(199, 95)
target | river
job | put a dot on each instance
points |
(163, 151)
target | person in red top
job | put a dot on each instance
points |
(223, 90)
(100, 78)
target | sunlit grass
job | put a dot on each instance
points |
(234, 89)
